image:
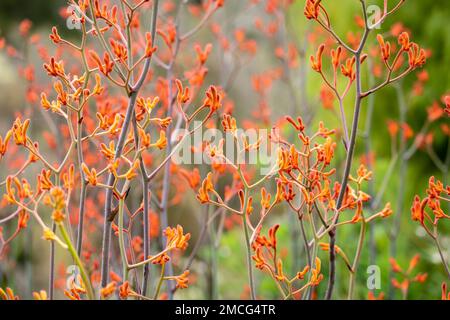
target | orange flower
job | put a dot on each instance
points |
(7, 294)
(124, 290)
(183, 94)
(107, 66)
(435, 112)
(202, 55)
(418, 209)
(4, 143)
(54, 36)
(55, 69)
(316, 62)
(182, 280)
(385, 48)
(347, 69)
(265, 199)
(444, 292)
(316, 276)
(336, 57)
(213, 99)
(41, 295)
(44, 181)
(403, 40)
(176, 238)
(312, 9)
(206, 187)
(149, 49)
(19, 131)
(109, 290)
(91, 175)
(161, 143)
(416, 56)
(301, 274)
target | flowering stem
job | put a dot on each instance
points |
(161, 279)
(349, 158)
(118, 152)
(354, 270)
(51, 286)
(248, 244)
(76, 258)
(441, 254)
(123, 252)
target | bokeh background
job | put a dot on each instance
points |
(428, 23)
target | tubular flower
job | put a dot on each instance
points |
(347, 69)
(54, 36)
(445, 295)
(265, 199)
(385, 48)
(403, 40)
(44, 181)
(23, 219)
(229, 123)
(418, 209)
(41, 295)
(108, 152)
(8, 294)
(19, 131)
(202, 55)
(125, 290)
(176, 238)
(336, 57)
(104, 67)
(213, 99)
(149, 49)
(207, 186)
(258, 257)
(387, 211)
(4, 143)
(182, 280)
(183, 94)
(279, 274)
(316, 276)
(416, 56)
(301, 274)
(91, 175)
(119, 50)
(316, 62)
(109, 290)
(161, 143)
(312, 9)
(55, 69)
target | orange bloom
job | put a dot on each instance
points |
(316, 62)
(19, 131)
(312, 9)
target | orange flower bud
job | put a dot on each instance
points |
(19, 131)
(149, 49)
(316, 62)
(385, 48)
(54, 36)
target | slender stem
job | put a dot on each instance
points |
(248, 245)
(51, 285)
(161, 279)
(441, 254)
(76, 258)
(123, 252)
(123, 134)
(348, 160)
(355, 265)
